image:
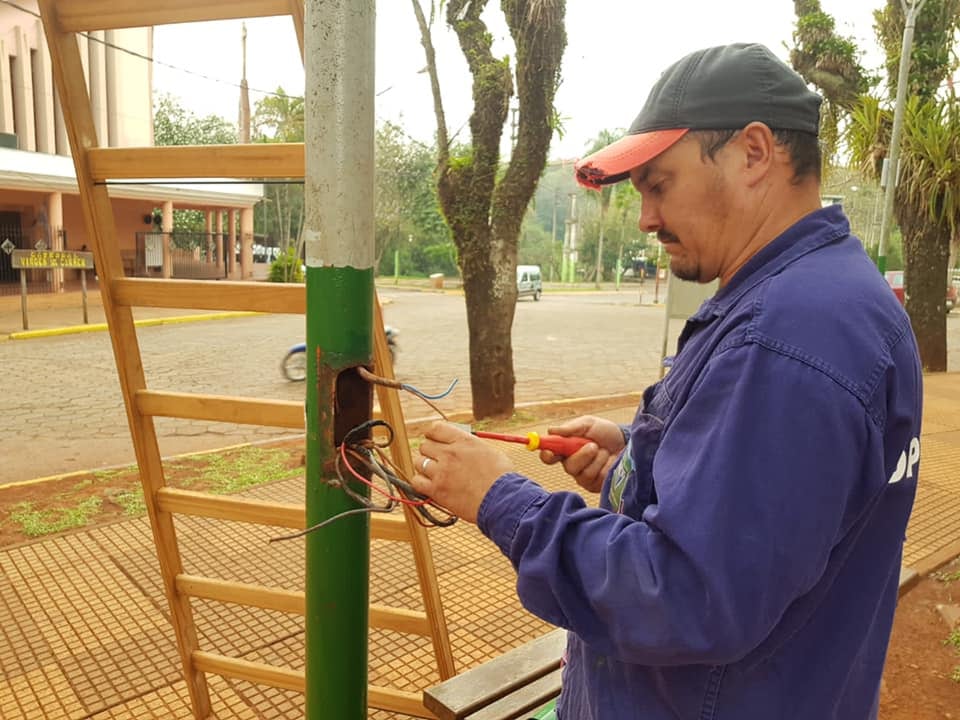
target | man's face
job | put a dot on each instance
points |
(691, 202)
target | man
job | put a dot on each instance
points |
(744, 561)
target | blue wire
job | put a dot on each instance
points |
(411, 388)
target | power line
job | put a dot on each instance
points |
(220, 81)
(152, 60)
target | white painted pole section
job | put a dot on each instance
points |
(339, 133)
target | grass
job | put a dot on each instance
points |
(953, 639)
(53, 520)
(218, 473)
(245, 468)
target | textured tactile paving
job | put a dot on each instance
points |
(84, 627)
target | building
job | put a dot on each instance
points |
(39, 199)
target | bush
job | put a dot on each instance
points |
(287, 268)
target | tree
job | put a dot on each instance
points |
(278, 118)
(408, 217)
(830, 62)
(604, 197)
(926, 205)
(173, 124)
(484, 204)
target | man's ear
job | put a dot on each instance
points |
(759, 148)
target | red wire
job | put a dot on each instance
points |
(361, 478)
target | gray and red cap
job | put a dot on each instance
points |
(719, 88)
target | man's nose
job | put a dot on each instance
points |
(649, 218)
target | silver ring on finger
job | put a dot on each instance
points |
(423, 465)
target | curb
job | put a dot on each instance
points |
(99, 327)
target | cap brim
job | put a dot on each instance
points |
(614, 162)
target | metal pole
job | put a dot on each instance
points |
(898, 113)
(23, 298)
(339, 234)
(83, 295)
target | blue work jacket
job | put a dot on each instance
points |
(744, 561)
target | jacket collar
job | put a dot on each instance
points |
(819, 228)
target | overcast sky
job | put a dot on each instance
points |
(616, 49)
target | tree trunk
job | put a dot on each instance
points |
(490, 292)
(926, 252)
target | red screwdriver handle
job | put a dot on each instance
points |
(560, 445)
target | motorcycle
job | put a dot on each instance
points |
(294, 363)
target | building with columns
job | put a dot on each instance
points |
(39, 200)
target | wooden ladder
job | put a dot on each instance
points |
(95, 166)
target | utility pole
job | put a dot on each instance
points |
(553, 232)
(571, 241)
(339, 232)
(244, 123)
(892, 167)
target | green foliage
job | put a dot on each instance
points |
(408, 218)
(44, 522)
(131, 501)
(931, 158)
(953, 640)
(286, 268)
(932, 57)
(947, 577)
(245, 468)
(278, 118)
(175, 125)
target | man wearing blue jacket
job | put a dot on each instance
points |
(743, 562)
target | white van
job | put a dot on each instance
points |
(529, 281)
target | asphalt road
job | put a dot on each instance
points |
(63, 409)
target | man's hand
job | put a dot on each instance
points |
(590, 464)
(456, 469)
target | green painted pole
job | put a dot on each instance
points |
(339, 235)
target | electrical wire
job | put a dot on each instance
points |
(397, 385)
(358, 447)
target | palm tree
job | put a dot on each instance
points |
(604, 196)
(927, 204)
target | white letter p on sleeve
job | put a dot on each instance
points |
(907, 462)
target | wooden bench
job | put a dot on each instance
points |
(510, 686)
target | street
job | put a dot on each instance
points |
(63, 409)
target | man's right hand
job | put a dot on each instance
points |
(590, 464)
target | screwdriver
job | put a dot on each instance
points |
(557, 444)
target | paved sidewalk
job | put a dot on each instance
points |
(84, 630)
(52, 314)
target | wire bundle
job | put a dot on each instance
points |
(356, 448)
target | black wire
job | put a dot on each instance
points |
(368, 450)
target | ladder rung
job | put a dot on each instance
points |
(254, 160)
(84, 15)
(229, 507)
(288, 601)
(383, 617)
(204, 295)
(413, 622)
(220, 408)
(255, 672)
(239, 509)
(262, 674)
(398, 701)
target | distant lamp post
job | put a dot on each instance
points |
(892, 167)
